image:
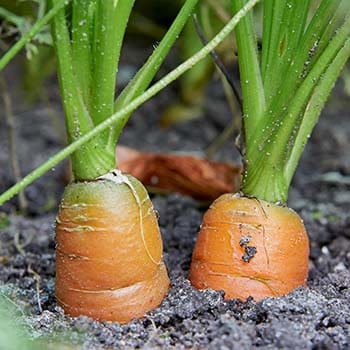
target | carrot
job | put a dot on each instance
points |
(249, 247)
(109, 262)
(109, 251)
(251, 243)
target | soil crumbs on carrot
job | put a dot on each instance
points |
(316, 317)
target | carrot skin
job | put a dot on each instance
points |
(109, 262)
(248, 247)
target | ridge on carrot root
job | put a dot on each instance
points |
(251, 243)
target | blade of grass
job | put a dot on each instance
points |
(252, 87)
(12, 52)
(125, 111)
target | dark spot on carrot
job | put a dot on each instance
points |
(249, 251)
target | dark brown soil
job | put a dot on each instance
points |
(316, 317)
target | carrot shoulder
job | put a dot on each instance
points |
(249, 247)
(109, 262)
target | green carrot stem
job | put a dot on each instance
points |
(270, 167)
(250, 75)
(146, 74)
(82, 37)
(285, 25)
(110, 24)
(125, 111)
(92, 160)
(314, 108)
(272, 23)
(300, 65)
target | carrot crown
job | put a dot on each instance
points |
(286, 86)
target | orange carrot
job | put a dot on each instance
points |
(109, 262)
(250, 247)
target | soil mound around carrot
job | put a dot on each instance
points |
(316, 317)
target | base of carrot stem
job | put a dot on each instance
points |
(109, 263)
(249, 247)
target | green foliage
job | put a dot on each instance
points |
(88, 52)
(120, 117)
(285, 88)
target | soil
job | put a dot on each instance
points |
(316, 317)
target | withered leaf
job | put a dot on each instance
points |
(199, 178)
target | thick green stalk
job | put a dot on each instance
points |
(269, 173)
(268, 6)
(249, 67)
(272, 22)
(265, 160)
(91, 160)
(335, 22)
(82, 26)
(110, 24)
(146, 74)
(12, 52)
(159, 86)
(314, 108)
(300, 65)
(287, 22)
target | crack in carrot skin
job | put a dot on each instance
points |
(279, 264)
(108, 239)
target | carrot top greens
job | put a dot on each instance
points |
(286, 86)
(88, 52)
(134, 95)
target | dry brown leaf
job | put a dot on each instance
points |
(199, 178)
